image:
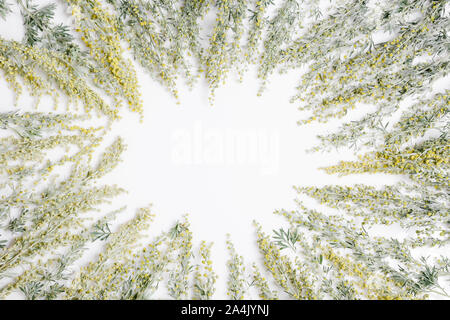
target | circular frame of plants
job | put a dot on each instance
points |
(390, 55)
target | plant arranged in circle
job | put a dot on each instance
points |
(384, 61)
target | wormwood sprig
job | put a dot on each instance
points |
(224, 43)
(187, 43)
(98, 28)
(238, 15)
(204, 276)
(43, 70)
(337, 275)
(426, 163)
(280, 30)
(258, 22)
(40, 31)
(178, 284)
(425, 279)
(286, 239)
(424, 212)
(33, 134)
(149, 29)
(264, 290)
(237, 285)
(101, 232)
(128, 270)
(31, 290)
(111, 274)
(374, 253)
(382, 73)
(427, 115)
(36, 19)
(4, 9)
(23, 155)
(294, 281)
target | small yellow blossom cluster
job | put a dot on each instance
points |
(358, 280)
(47, 279)
(262, 285)
(413, 208)
(45, 218)
(204, 276)
(178, 283)
(429, 114)
(296, 282)
(223, 48)
(99, 33)
(187, 39)
(362, 72)
(258, 22)
(280, 30)
(340, 27)
(420, 118)
(105, 277)
(127, 271)
(148, 32)
(29, 154)
(336, 258)
(236, 52)
(24, 153)
(236, 274)
(426, 163)
(39, 68)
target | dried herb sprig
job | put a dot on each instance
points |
(4, 9)
(237, 285)
(99, 32)
(42, 70)
(224, 43)
(204, 276)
